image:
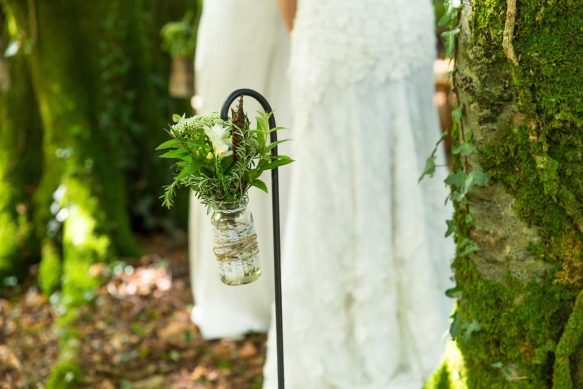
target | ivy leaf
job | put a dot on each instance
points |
(429, 168)
(475, 177)
(450, 12)
(169, 144)
(450, 41)
(467, 247)
(474, 326)
(456, 196)
(497, 365)
(457, 179)
(464, 148)
(469, 218)
(450, 228)
(456, 114)
(430, 164)
(455, 293)
(260, 184)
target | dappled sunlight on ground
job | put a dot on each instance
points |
(135, 332)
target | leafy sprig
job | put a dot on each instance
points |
(214, 176)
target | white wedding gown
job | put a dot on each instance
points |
(365, 261)
(241, 44)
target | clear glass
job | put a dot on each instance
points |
(236, 248)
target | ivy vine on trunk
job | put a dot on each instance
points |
(518, 78)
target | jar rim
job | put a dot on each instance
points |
(231, 207)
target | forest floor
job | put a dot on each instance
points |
(136, 332)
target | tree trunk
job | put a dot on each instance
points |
(521, 312)
(81, 197)
(20, 170)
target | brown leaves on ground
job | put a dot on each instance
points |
(136, 333)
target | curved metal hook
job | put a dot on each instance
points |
(276, 235)
(251, 93)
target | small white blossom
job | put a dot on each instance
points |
(218, 136)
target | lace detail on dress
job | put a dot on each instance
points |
(364, 261)
(386, 38)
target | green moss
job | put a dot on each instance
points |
(451, 374)
(440, 379)
(50, 269)
(527, 122)
(570, 341)
(19, 169)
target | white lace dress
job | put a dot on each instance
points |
(365, 261)
(241, 44)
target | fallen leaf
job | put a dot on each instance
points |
(154, 382)
(248, 350)
(8, 360)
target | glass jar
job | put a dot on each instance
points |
(236, 248)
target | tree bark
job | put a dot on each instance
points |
(20, 170)
(519, 76)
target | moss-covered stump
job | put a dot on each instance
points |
(520, 86)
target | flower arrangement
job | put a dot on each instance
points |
(179, 38)
(220, 160)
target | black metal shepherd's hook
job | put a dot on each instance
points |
(276, 238)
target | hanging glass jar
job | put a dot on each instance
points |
(236, 248)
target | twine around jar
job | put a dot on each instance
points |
(236, 248)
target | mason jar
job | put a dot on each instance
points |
(236, 249)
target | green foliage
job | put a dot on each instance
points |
(529, 338)
(50, 269)
(20, 170)
(450, 37)
(469, 329)
(450, 19)
(430, 163)
(218, 160)
(66, 375)
(571, 340)
(440, 378)
(451, 374)
(179, 38)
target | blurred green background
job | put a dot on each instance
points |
(84, 100)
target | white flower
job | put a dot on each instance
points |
(218, 137)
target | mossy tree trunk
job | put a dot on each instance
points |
(20, 170)
(519, 76)
(100, 78)
(88, 74)
(81, 195)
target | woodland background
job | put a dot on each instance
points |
(94, 286)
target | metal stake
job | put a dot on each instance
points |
(276, 236)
